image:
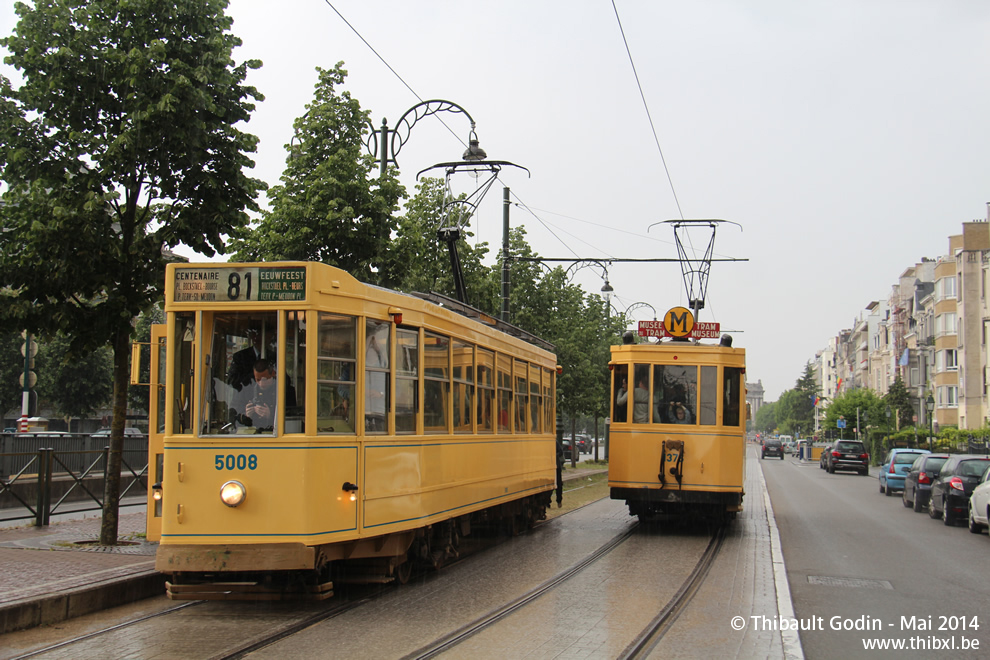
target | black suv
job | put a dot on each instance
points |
(848, 455)
(772, 447)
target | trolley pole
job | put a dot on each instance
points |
(505, 254)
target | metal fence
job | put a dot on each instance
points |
(42, 474)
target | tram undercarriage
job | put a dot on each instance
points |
(294, 571)
(651, 503)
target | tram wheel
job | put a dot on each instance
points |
(403, 572)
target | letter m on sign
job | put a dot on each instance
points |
(678, 322)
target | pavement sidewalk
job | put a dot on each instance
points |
(58, 572)
(50, 574)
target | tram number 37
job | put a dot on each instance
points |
(238, 462)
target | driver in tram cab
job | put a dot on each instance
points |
(260, 410)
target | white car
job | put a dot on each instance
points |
(979, 505)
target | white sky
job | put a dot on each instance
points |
(849, 138)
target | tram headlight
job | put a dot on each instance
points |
(156, 491)
(233, 493)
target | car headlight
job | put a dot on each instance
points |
(233, 493)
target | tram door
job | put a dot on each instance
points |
(156, 429)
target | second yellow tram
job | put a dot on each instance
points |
(678, 422)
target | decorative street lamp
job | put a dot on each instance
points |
(607, 295)
(930, 407)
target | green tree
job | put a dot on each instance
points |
(122, 141)
(11, 368)
(766, 418)
(75, 385)
(328, 207)
(899, 400)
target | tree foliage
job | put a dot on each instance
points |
(417, 261)
(73, 385)
(328, 208)
(898, 399)
(122, 141)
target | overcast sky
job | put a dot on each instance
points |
(848, 138)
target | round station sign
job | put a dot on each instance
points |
(678, 322)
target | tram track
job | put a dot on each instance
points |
(665, 619)
(639, 647)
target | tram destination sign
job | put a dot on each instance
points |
(700, 330)
(257, 284)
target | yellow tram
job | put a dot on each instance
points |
(305, 420)
(677, 435)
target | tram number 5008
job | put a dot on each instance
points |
(238, 462)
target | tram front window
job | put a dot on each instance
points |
(675, 392)
(240, 378)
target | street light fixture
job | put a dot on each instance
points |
(930, 407)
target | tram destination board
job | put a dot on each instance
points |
(699, 330)
(255, 284)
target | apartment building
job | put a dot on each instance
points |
(931, 332)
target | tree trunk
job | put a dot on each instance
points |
(111, 489)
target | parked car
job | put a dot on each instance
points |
(895, 465)
(848, 455)
(979, 505)
(105, 433)
(823, 459)
(772, 447)
(950, 492)
(10, 429)
(918, 480)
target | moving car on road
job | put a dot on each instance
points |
(848, 455)
(897, 464)
(772, 447)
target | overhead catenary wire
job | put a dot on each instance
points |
(649, 116)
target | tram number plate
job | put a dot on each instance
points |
(671, 457)
(235, 462)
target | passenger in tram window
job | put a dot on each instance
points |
(641, 396)
(680, 413)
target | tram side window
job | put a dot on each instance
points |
(463, 377)
(486, 390)
(162, 378)
(620, 383)
(522, 396)
(406, 380)
(637, 392)
(184, 353)
(335, 379)
(708, 400)
(295, 372)
(504, 384)
(535, 400)
(675, 391)
(241, 393)
(377, 403)
(732, 389)
(549, 402)
(436, 382)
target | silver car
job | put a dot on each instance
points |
(979, 505)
